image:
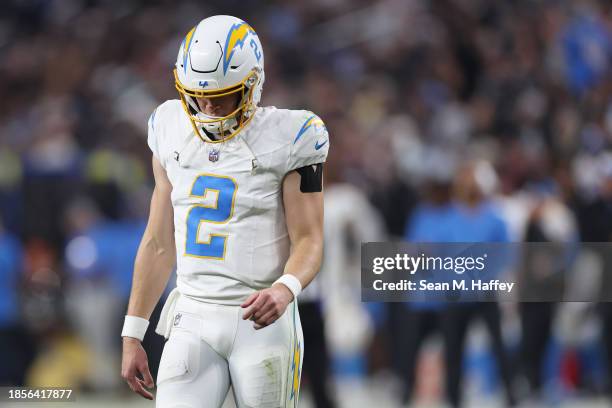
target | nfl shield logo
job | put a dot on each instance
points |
(213, 155)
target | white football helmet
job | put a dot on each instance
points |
(220, 56)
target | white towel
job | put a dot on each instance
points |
(167, 314)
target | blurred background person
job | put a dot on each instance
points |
(475, 218)
(100, 256)
(349, 323)
(594, 217)
(15, 341)
(419, 320)
(543, 271)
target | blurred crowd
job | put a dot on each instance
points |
(504, 107)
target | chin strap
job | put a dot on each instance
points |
(210, 135)
(223, 131)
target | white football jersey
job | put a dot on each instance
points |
(230, 231)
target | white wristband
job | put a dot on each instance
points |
(135, 327)
(292, 283)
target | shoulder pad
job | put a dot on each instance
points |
(310, 141)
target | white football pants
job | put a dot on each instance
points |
(211, 347)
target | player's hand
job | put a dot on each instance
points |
(265, 306)
(134, 365)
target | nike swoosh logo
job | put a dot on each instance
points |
(318, 146)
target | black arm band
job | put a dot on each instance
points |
(311, 178)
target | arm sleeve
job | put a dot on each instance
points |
(310, 145)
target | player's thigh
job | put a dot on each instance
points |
(266, 364)
(191, 374)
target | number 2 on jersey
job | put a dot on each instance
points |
(219, 212)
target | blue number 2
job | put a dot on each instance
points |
(255, 49)
(218, 213)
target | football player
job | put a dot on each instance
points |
(238, 207)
